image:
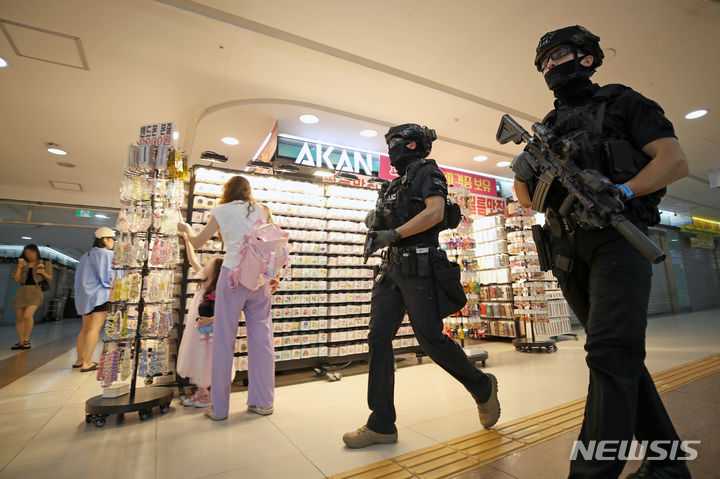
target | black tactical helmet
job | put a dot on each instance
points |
(577, 36)
(422, 135)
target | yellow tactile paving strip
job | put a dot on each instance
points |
(454, 457)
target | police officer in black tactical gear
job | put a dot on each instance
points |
(606, 280)
(407, 220)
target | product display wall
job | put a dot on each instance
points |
(321, 310)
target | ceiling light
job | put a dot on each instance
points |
(3, 63)
(695, 114)
(324, 174)
(25, 237)
(480, 158)
(100, 215)
(229, 140)
(368, 133)
(502, 164)
(55, 149)
(65, 164)
(176, 135)
(309, 119)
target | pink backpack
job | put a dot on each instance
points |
(263, 253)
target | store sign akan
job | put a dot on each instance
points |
(322, 155)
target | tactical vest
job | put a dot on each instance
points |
(402, 200)
(607, 150)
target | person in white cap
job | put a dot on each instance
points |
(92, 290)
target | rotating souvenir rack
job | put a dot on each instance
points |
(459, 245)
(137, 330)
(321, 309)
(539, 303)
(482, 253)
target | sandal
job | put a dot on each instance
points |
(91, 368)
(17, 346)
(26, 345)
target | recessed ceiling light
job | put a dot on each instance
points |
(65, 164)
(502, 163)
(480, 158)
(368, 133)
(55, 149)
(229, 140)
(696, 114)
(176, 135)
(309, 119)
(25, 237)
(323, 174)
(3, 63)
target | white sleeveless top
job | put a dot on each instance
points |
(235, 223)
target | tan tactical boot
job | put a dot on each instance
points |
(489, 411)
(365, 437)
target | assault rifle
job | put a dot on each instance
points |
(591, 196)
(377, 223)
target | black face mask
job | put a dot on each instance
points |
(568, 79)
(401, 157)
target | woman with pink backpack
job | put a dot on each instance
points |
(244, 224)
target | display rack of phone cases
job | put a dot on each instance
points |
(143, 308)
(321, 309)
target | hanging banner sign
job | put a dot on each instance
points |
(157, 134)
(316, 154)
(486, 205)
(474, 183)
(700, 225)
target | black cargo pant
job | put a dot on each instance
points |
(392, 294)
(608, 288)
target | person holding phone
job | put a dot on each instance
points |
(30, 271)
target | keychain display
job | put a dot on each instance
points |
(121, 322)
(164, 251)
(158, 286)
(157, 321)
(126, 288)
(130, 250)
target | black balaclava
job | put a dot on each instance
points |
(401, 156)
(569, 80)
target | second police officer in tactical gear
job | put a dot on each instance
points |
(606, 280)
(410, 211)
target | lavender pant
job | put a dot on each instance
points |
(261, 359)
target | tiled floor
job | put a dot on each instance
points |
(43, 432)
(696, 416)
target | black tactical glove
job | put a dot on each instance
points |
(525, 167)
(383, 238)
(370, 219)
(601, 184)
(588, 219)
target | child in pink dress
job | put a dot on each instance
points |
(196, 348)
